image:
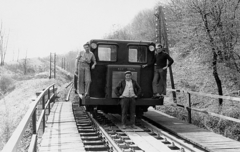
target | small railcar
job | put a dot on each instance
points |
(114, 57)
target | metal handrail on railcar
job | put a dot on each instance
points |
(189, 108)
(12, 144)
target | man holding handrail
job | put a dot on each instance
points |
(82, 64)
(159, 83)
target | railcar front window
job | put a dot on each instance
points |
(137, 54)
(107, 53)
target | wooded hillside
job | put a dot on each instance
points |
(204, 42)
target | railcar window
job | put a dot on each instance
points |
(107, 53)
(137, 54)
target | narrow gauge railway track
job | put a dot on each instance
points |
(92, 134)
(102, 132)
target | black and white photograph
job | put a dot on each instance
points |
(120, 75)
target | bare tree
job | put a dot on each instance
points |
(220, 23)
(24, 64)
(122, 34)
(3, 45)
(143, 26)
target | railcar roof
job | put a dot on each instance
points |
(115, 40)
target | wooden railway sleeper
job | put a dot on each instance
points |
(104, 147)
(98, 120)
(94, 142)
(90, 134)
(91, 137)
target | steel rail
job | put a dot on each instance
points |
(109, 139)
(68, 95)
(184, 147)
(70, 83)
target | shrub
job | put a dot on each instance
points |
(6, 84)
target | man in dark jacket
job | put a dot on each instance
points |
(159, 82)
(128, 89)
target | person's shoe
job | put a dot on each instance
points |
(123, 126)
(86, 95)
(161, 96)
(155, 96)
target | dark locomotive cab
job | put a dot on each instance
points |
(114, 57)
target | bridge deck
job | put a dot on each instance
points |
(61, 132)
(203, 138)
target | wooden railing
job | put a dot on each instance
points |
(189, 108)
(31, 117)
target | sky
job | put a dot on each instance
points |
(38, 27)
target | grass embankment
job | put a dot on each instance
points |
(193, 74)
(17, 91)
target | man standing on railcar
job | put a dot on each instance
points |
(159, 82)
(82, 65)
(128, 89)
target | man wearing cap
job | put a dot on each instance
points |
(128, 89)
(159, 80)
(82, 64)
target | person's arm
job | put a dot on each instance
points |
(94, 61)
(116, 90)
(170, 62)
(139, 89)
(152, 61)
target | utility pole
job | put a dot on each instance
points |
(161, 37)
(13, 55)
(25, 64)
(55, 57)
(18, 55)
(50, 75)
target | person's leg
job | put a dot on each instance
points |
(81, 78)
(132, 111)
(162, 82)
(87, 80)
(164, 76)
(124, 106)
(155, 81)
(75, 81)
